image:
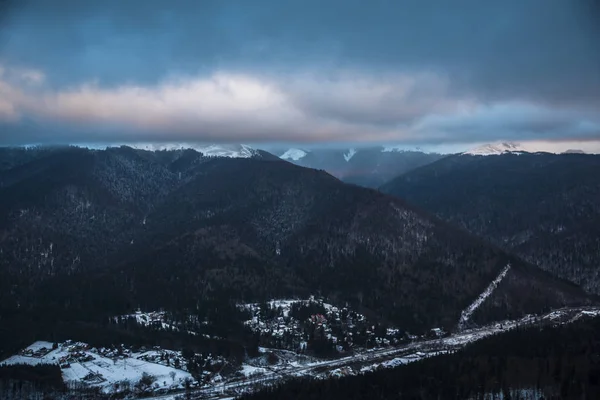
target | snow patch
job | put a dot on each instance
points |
(349, 154)
(497, 149)
(404, 149)
(395, 149)
(249, 370)
(293, 154)
(468, 312)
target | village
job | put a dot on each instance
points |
(299, 324)
(311, 327)
(292, 334)
(119, 369)
(320, 329)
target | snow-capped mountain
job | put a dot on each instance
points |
(500, 148)
(497, 149)
(209, 150)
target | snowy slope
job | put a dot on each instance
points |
(349, 154)
(232, 151)
(500, 148)
(497, 149)
(466, 314)
(210, 150)
(400, 149)
(293, 154)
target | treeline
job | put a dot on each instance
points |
(31, 382)
(556, 362)
(542, 207)
(225, 333)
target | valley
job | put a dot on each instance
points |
(149, 374)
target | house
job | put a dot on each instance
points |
(436, 332)
(318, 319)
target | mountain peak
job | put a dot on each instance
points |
(497, 149)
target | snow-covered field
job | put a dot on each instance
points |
(99, 370)
(130, 369)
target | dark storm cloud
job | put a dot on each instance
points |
(508, 47)
(404, 70)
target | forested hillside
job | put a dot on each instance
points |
(88, 233)
(542, 207)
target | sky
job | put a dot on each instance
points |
(413, 72)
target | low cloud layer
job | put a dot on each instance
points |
(302, 72)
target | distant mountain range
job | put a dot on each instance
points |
(369, 167)
(374, 166)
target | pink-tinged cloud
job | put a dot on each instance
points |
(342, 106)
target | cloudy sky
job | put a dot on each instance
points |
(423, 72)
